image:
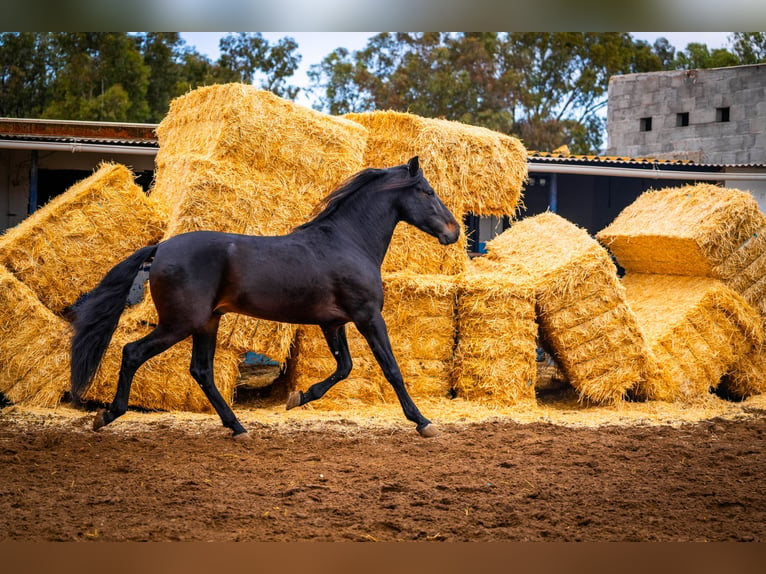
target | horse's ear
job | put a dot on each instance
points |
(414, 166)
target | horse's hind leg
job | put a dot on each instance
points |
(203, 355)
(134, 355)
(336, 339)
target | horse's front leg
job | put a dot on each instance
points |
(335, 336)
(376, 334)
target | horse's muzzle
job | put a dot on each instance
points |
(450, 234)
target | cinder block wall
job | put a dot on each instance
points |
(661, 96)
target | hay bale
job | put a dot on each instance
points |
(63, 249)
(472, 169)
(701, 230)
(745, 269)
(580, 304)
(237, 159)
(273, 157)
(748, 375)
(495, 356)
(419, 312)
(163, 382)
(34, 347)
(697, 327)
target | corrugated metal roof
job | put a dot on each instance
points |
(63, 131)
(565, 157)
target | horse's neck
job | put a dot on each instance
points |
(368, 226)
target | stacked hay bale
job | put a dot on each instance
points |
(34, 347)
(697, 328)
(52, 258)
(699, 231)
(64, 249)
(419, 315)
(495, 358)
(471, 169)
(580, 304)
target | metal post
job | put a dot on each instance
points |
(553, 193)
(33, 184)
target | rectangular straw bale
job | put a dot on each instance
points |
(701, 230)
(580, 304)
(63, 249)
(236, 131)
(472, 169)
(697, 327)
(419, 312)
(163, 382)
(495, 357)
(34, 347)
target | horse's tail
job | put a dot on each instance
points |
(97, 317)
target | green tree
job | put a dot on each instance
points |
(698, 56)
(100, 76)
(247, 56)
(163, 53)
(456, 76)
(127, 77)
(26, 71)
(750, 47)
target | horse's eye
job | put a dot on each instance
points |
(428, 191)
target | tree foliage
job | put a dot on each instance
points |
(116, 76)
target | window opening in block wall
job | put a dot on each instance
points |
(645, 125)
(682, 119)
(722, 114)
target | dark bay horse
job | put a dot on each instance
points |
(325, 272)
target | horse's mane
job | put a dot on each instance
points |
(329, 205)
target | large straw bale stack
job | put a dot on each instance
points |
(697, 327)
(495, 357)
(580, 304)
(472, 169)
(34, 347)
(64, 249)
(237, 159)
(702, 230)
(163, 382)
(419, 312)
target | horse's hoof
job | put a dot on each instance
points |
(241, 437)
(293, 400)
(98, 420)
(429, 431)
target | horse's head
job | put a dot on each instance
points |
(420, 206)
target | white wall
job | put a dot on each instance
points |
(14, 175)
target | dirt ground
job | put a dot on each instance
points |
(560, 471)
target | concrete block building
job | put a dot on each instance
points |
(707, 116)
